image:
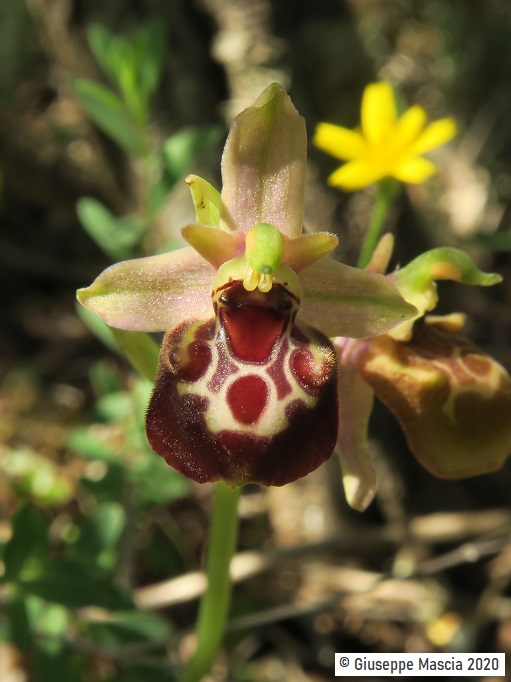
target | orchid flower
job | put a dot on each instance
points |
(452, 400)
(387, 145)
(246, 389)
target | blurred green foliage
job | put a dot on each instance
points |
(134, 66)
(89, 510)
(54, 569)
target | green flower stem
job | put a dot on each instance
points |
(214, 607)
(142, 352)
(386, 190)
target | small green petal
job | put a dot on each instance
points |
(415, 171)
(343, 301)
(303, 251)
(340, 142)
(206, 200)
(213, 243)
(152, 294)
(435, 134)
(263, 166)
(379, 113)
(357, 174)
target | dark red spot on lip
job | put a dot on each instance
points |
(247, 397)
(304, 368)
(199, 359)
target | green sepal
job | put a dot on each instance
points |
(206, 200)
(442, 263)
(416, 281)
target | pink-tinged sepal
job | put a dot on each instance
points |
(248, 397)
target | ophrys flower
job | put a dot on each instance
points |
(247, 380)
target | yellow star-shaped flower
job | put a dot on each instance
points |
(387, 145)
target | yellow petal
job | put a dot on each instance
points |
(340, 142)
(379, 113)
(409, 127)
(414, 170)
(435, 134)
(356, 175)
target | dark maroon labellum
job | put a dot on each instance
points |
(247, 397)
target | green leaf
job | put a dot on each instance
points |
(157, 483)
(110, 114)
(115, 407)
(63, 665)
(140, 349)
(97, 327)
(35, 476)
(149, 43)
(104, 378)
(83, 441)
(116, 236)
(100, 534)
(131, 626)
(76, 585)
(136, 673)
(28, 542)
(51, 622)
(19, 626)
(109, 486)
(99, 38)
(182, 149)
(498, 241)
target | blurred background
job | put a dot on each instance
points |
(105, 106)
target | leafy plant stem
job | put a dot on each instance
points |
(214, 607)
(386, 190)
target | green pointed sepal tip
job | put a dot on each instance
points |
(443, 263)
(416, 281)
(206, 200)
